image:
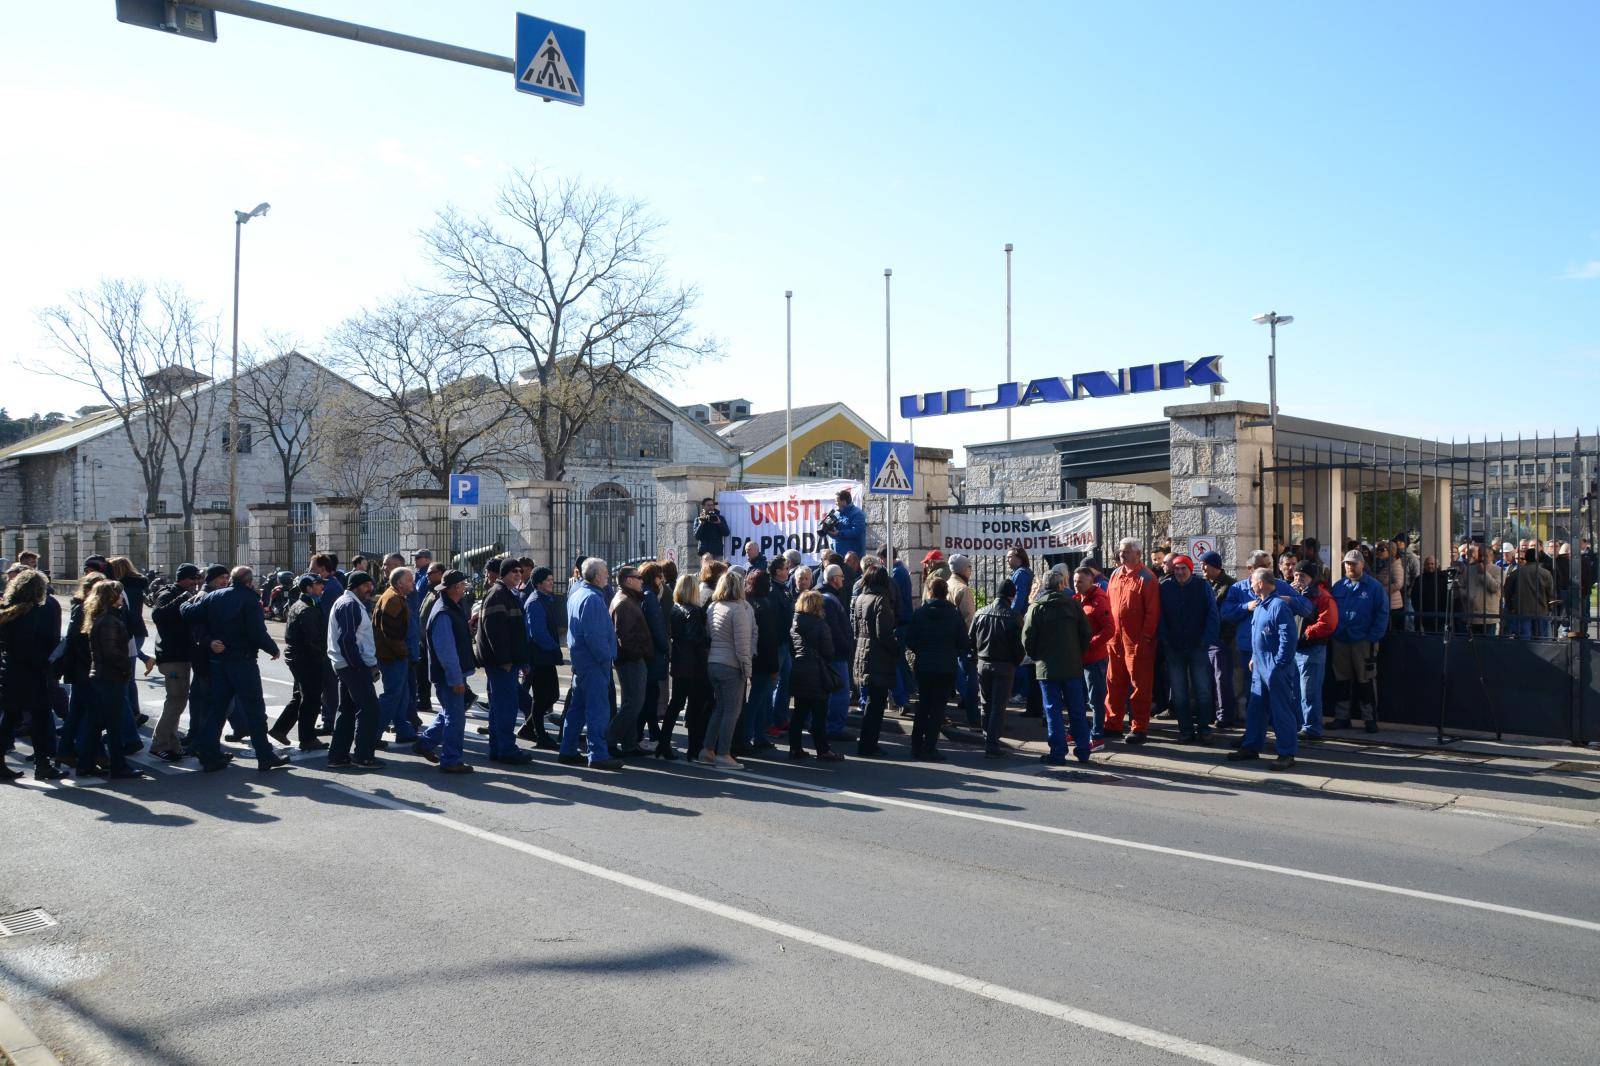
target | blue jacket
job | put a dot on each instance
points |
(1188, 615)
(350, 640)
(332, 589)
(544, 635)
(449, 645)
(591, 638)
(1273, 635)
(231, 614)
(1236, 607)
(901, 577)
(1363, 610)
(656, 621)
(851, 535)
(1021, 577)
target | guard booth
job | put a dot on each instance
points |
(1059, 531)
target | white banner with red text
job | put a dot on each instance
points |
(782, 517)
(995, 533)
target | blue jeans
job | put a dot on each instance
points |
(588, 710)
(1189, 674)
(780, 693)
(394, 706)
(758, 709)
(967, 688)
(1279, 700)
(447, 730)
(1312, 663)
(1094, 679)
(504, 688)
(1071, 694)
(839, 702)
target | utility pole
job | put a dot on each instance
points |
(1008, 332)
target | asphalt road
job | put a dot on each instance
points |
(869, 912)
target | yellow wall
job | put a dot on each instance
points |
(836, 428)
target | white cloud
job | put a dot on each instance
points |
(1589, 271)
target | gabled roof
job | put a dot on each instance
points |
(759, 434)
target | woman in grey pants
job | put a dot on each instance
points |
(732, 625)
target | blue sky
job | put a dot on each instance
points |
(1417, 184)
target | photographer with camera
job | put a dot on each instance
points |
(846, 524)
(709, 529)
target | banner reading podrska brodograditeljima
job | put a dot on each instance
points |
(782, 517)
(1069, 530)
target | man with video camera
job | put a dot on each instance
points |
(846, 524)
(710, 529)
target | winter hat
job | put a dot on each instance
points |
(960, 564)
(214, 571)
(187, 570)
(1211, 559)
(539, 574)
(357, 579)
(1181, 560)
(1309, 568)
(451, 577)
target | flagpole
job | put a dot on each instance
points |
(788, 387)
(888, 426)
(1008, 332)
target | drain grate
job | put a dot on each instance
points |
(30, 921)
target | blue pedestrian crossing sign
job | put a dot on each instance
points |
(889, 468)
(463, 497)
(549, 60)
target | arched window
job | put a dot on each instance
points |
(833, 458)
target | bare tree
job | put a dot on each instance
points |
(433, 409)
(140, 353)
(356, 460)
(277, 394)
(569, 300)
(184, 344)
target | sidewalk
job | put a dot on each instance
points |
(1518, 777)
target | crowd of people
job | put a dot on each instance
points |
(746, 652)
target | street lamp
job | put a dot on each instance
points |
(239, 219)
(788, 387)
(1008, 332)
(1272, 320)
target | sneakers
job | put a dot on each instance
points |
(1097, 744)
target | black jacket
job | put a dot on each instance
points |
(305, 632)
(877, 648)
(772, 634)
(710, 533)
(996, 635)
(502, 638)
(74, 665)
(27, 637)
(936, 637)
(691, 642)
(134, 587)
(836, 611)
(173, 643)
(811, 643)
(108, 649)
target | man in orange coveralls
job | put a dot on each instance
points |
(1135, 612)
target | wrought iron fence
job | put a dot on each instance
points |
(379, 532)
(474, 541)
(1112, 521)
(618, 529)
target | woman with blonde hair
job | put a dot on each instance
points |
(731, 625)
(74, 671)
(28, 634)
(110, 670)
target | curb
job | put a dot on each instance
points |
(19, 1045)
(1372, 790)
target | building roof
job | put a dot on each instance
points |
(62, 437)
(758, 431)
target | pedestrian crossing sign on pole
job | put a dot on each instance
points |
(549, 60)
(889, 468)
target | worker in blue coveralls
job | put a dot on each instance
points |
(232, 618)
(1274, 678)
(592, 644)
(449, 666)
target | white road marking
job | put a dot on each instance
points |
(1182, 853)
(1100, 1023)
(278, 681)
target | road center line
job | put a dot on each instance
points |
(1138, 1034)
(1182, 853)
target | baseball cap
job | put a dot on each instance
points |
(452, 577)
(305, 581)
(1354, 556)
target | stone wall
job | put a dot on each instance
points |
(1216, 448)
(1012, 472)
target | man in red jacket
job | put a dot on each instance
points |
(1135, 613)
(1311, 654)
(1097, 608)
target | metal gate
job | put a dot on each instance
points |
(617, 528)
(1113, 520)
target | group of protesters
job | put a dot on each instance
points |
(745, 651)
